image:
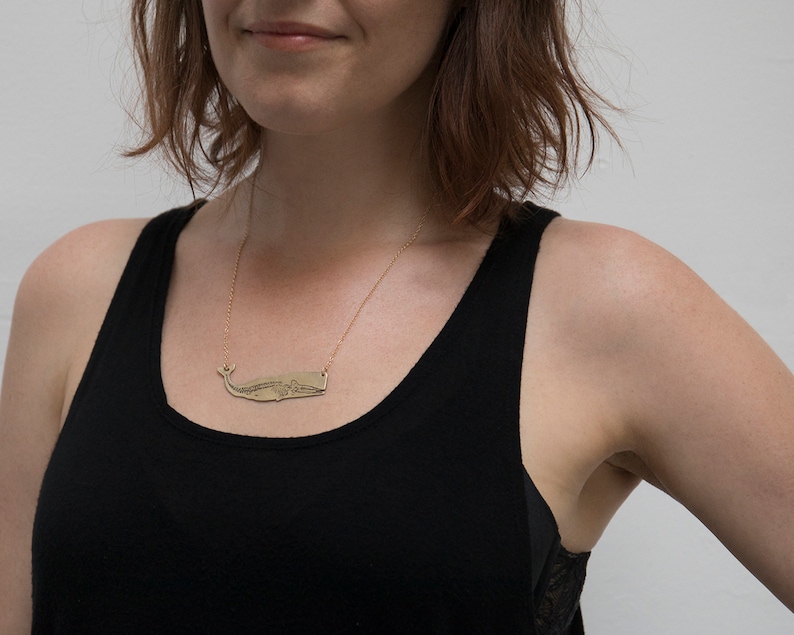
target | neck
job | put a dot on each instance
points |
(349, 186)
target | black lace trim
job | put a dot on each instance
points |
(558, 611)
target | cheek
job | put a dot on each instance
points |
(401, 36)
(216, 11)
(216, 19)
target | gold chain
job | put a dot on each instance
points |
(366, 299)
(373, 289)
(246, 231)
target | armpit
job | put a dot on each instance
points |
(630, 462)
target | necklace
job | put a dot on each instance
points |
(291, 385)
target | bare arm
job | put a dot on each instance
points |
(30, 409)
(710, 411)
(59, 309)
(632, 362)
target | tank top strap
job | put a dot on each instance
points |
(491, 317)
(510, 271)
(138, 299)
(502, 291)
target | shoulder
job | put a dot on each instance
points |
(62, 300)
(59, 308)
(80, 266)
(609, 310)
(620, 319)
(613, 283)
(670, 358)
(629, 352)
(76, 274)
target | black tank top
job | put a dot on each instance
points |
(418, 517)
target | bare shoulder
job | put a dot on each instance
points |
(614, 291)
(593, 287)
(614, 273)
(78, 271)
(60, 306)
(601, 293)
(627, 310)
(90, 255)
(642, 358)
(65, 293)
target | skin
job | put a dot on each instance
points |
(633, 367)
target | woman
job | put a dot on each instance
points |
(626, 372)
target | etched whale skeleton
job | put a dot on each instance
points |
(292, 385)
(277, 388)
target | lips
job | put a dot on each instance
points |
(291, 28)
(290, 36)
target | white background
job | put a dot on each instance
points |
(707, 174)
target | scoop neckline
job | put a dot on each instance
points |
(392, 400)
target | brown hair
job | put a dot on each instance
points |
(508, 114)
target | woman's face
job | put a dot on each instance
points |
(313, 66)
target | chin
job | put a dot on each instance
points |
(303, 115)
(307, 120)
(296, 125)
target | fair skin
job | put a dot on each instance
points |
(633, 368)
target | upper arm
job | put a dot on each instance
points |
(708, 408)
(59, 307)
(632, 360)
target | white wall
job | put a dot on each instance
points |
(710, 178)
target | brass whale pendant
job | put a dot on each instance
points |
(290, 386)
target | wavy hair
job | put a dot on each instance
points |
(508, 116)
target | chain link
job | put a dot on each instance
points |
(361, 306)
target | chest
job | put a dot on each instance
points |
(366, 340)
